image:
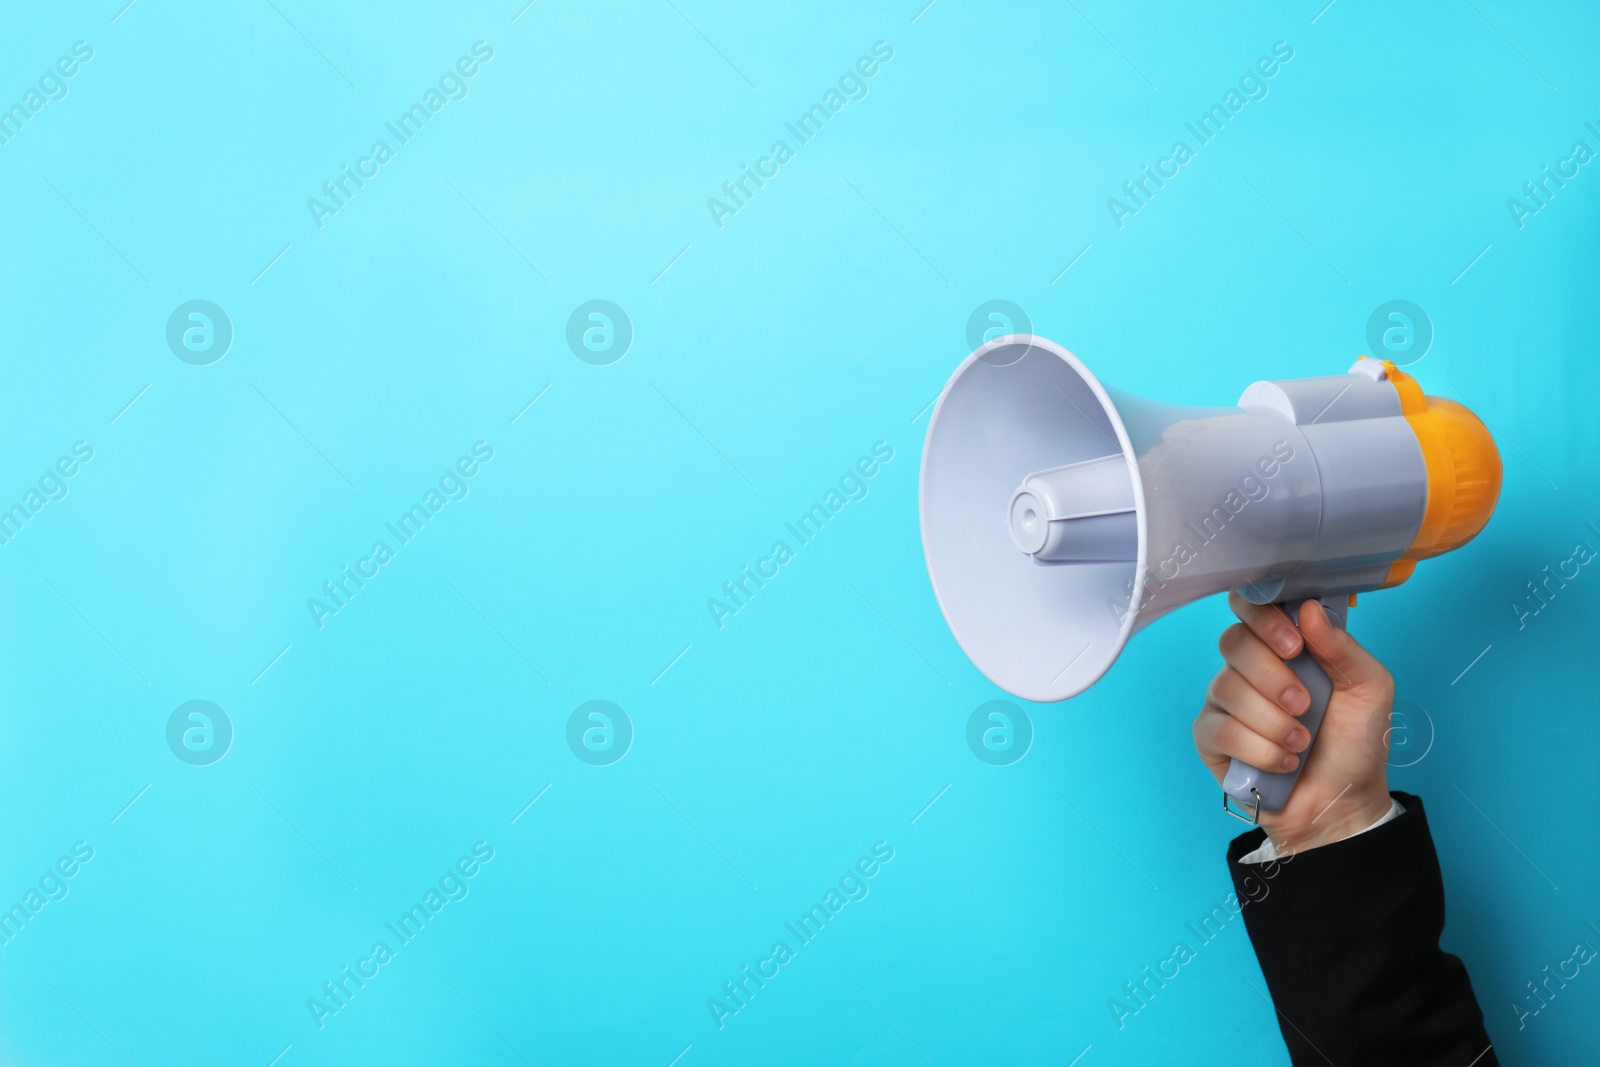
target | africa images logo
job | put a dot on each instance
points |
(851, 887)
(1252, 86)
(453, 485)
(452, 85)
(852, 85)
(999, 733)
(738, 592)
(599, 733)
(199, 733)
(451, 887)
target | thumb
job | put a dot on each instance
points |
(1348, 664)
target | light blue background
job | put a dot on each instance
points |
(822, 318)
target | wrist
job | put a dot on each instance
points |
(1343, 818)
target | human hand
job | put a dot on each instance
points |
(1251, 713)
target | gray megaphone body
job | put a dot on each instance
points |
(1059, 517)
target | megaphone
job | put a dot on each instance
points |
(1059, 517)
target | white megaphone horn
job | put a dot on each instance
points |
(1059, 516)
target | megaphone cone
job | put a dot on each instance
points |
(1059, 516)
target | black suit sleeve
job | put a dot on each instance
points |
(1348, 939)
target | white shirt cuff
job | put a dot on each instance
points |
(1269, 851)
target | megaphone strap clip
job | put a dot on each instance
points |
(1253, 818)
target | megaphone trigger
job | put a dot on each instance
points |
(1269, 790)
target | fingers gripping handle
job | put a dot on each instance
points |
(1246, 784)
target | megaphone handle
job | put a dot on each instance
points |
(1257, 790)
